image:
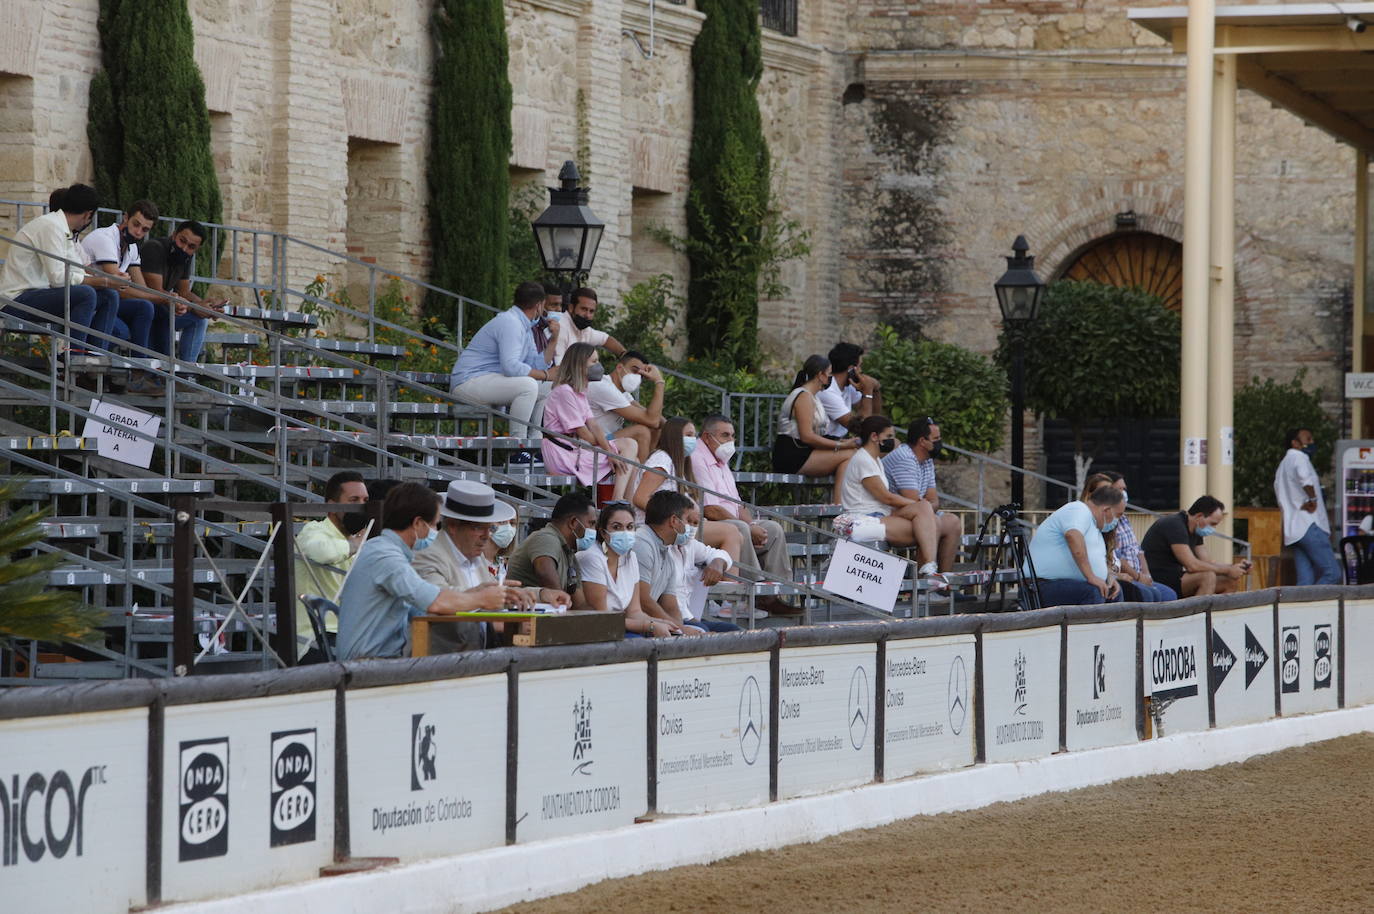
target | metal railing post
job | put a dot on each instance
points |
(183, 584)
(284, 583)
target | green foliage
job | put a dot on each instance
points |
(469, 154)
(646, 320)
(1099, 352)
(1264, 412)
(526, 202)
(964, 391)
(28, 608)
(148, 127)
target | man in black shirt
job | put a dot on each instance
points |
(1177, 558)
(167, 268)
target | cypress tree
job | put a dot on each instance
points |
(729, 172)
(469, 156)
(148, 127)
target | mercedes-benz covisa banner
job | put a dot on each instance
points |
(712, 729)
(583, 750)
(248, 794)
(825, 718)
(1307, 656)
(1101, 685)
(1174, 674)
(1241, 665)
(426, 768)
(1021, 694)
(928, 702)
(73, 811)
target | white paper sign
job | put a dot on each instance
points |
(1359, 651)
(1021, 694)
(865, 575)
(1242, 668)
(1101, 685)
(928, 700)
(825, 718)
(712, 733)
(248, 794)
(1359, 384)
(73, 803)
(1175, 675)
(583, 750)
(1308, 654)
(425, 768)
(1194, 452)
(113, 437)
(1228, 445)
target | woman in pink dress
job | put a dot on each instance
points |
(567, 411)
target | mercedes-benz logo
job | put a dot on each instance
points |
(750, 720)
(957, 695)
(858, 708)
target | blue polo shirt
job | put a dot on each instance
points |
(1050, 551)
(504, 345)
(381, 594)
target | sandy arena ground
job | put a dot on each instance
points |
(1283, 832)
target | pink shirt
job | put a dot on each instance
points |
(566, 409)
(714, 474)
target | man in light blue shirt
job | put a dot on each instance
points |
(383, 591)
(502, 368)
(1069, 555)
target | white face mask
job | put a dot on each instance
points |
(725, 451)
(630, 383)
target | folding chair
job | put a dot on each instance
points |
(317, 608)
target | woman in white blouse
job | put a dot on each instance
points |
(610, 573)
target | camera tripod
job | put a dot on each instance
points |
(1013, 545)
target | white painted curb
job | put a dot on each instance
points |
(494, 878)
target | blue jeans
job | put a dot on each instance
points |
(191, 341)
(712, 626)
(90, 307)
(134, 322)
(1135, 592)
(1069, 592)
(1313, 560)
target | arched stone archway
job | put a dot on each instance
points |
(1142, 260)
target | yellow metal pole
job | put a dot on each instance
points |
(1221, 361)
(1197, 254)
(1360, 292)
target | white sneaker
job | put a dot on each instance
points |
(929, 568)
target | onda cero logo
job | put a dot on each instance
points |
(293, 787)
(204, 789)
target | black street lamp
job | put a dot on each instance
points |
(1019, 293)
(568, 232)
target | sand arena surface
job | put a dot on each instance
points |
(1289, 831)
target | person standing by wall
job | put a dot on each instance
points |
(1305, 527)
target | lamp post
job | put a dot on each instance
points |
(1019, 293)
(568, 232)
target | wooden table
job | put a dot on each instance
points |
(533, 629)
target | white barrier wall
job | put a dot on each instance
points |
(248, 794)
(712, 733)
(1359, 646)
(426, 768)
(73, 813)
(1242, 666)
(583, 757)
(825, 718)
(1100, 687)
(928, 701)
(1175, 676)
(1308, 652)
(1020, 694)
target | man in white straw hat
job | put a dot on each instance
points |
(468, 513)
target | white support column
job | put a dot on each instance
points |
(1360, 292)
(1221, 358)
(1197, 254)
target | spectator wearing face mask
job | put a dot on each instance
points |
(546, 557)
(1178, 559)
(675, 447)
(324, 552)
(1306, 530)
(634, 428)
(576, 326)
(500, 367)
(910, 470)
(569, 413)
(1069, 552)
(167, 268)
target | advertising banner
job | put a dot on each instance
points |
(248, 794)
(1308, 654)
(583, 762)
(427, 768)
(73, 810)
(712, 733)
(825, 718)
(929, 705)
(1101, 685)
(1242, 670)
(1175, 676)
(1021, 694)
(1359, 652)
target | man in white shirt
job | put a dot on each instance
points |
(852, 395)
(613, 405)
(699, 567)
(576, 326)
(1305, 527)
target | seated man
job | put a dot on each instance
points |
(1069, 555)
(384, 591)
(614, 405)
(910, 470)
(1178, 559)
(114, 250)
(666, 524)
(577, 326)
(501, 368)
(699, 567)
(546, 557)
(852, 395)
(41, 282)
(324, 552)
(711, 469)
(470, 511)
(1137, 584)
(167, 268)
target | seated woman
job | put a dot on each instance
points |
(676, 442)
(801, 446)
(865, 493)
(567, 411)
(610, 573)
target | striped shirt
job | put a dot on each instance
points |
(904, 471)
